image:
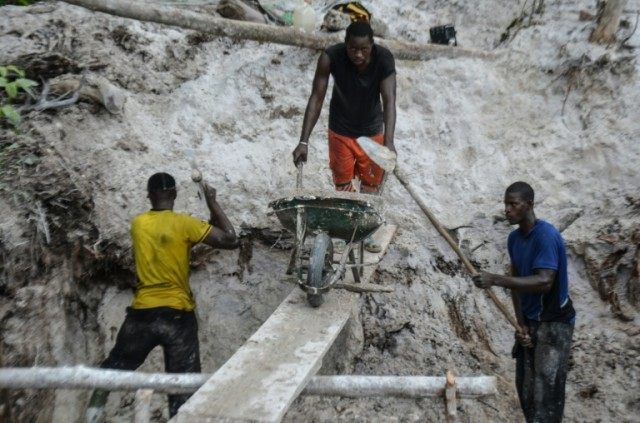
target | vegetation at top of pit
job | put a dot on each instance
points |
(17, 2)
(14, 84)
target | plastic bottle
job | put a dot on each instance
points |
(304, 17)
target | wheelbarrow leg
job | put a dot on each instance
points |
(356, 272)
(297, 248)
(361, 268)
(292, 261)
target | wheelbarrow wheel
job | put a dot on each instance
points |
(320, 266)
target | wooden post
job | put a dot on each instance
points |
(142, 411)
(450, 398)
(608, 22)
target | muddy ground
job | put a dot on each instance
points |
(550, 109)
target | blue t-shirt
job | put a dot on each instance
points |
(542, 248)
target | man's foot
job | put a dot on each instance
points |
(371, 245)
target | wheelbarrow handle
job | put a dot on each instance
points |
(299, 176)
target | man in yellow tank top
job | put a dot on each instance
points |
(162, 309)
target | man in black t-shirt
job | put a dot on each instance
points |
(362, 72)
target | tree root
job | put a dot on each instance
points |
(71, 89)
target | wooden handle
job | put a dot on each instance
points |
(299, 176)
(465, 261)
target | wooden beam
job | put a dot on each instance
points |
(142, 409)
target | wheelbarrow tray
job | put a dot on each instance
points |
(338, 217)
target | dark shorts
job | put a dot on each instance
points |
(541, 371)
(175, 331)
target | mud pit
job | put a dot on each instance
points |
(73, 178)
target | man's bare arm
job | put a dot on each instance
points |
(314, 106)
(388, 91)
(515, 299)
(222, 235)
(538, 283)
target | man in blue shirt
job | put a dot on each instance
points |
(540, 292)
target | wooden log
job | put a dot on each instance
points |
(81, 377)
(353, 386)
(168, 15)
(94, 89)
(364, 287)
(356, 386)
(608, 22)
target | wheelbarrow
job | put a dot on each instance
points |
(346, 217)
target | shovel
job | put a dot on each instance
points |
(379, 154)
(386, 159)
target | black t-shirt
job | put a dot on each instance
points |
(355, 108)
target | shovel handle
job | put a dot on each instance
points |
(299, 175)
(465, 261)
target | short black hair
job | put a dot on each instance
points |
(160, 182)
(522, 188)
(359, 29)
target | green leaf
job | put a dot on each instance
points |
(12, 89)
(26, 85)
(11, 114)
(16, 70)
(3, 81)
(3, 71)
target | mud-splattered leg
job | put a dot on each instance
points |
(181, 352)
(134, 342)
(553, 346)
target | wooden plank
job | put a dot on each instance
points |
(261, 380)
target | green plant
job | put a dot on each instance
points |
(17, 2)
(13, 80)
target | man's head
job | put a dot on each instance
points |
(161, 188)
(518, 202)
(359, 42)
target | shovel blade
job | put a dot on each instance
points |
(378, 153)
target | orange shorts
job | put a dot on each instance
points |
(348, 161)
